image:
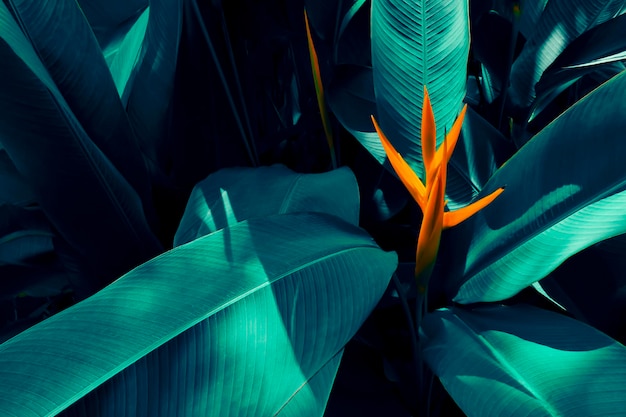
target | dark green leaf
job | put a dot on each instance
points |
(234, 323)
(561, 22)
(351, 99)
(523, 361)
(64, 42)
(150, 95)
(605, 43)
(13, 188)
(91, 205)
(106, 17)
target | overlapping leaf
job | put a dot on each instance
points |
(522, 361)
(236, 194)
(560, 23)
(231, 324)
(150, 96)
(64, 42)
(565, 191)
(92, 206)
(604, 44)
(106, 17)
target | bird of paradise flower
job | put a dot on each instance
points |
(430, 194)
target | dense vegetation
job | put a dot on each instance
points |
(192, 149)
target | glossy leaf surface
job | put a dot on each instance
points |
(231, 324)
(564, 192)
(524, 361)
(560, 23)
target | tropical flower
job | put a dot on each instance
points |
(430, 194)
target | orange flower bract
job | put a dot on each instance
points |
(430, 195)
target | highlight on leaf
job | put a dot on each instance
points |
(319, 91)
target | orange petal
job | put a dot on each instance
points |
(452, 218)
(429, 135)
(452, 137)
(319, 90)
(408, 177)
(430, 230)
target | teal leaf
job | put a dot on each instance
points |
(85, 197)
(232, 324)
(560, 23)
(351, 98)
(604, 44)
(531, 13)
(105, 18)
(149, 99)
(65, 44)
(417, 44)
(232, 195)
(565, 190)
(523, 361)
(122, 52)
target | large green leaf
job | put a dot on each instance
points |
(68, 49)
(524, 361)
(564, 192)
(560, 23)
(417, 44)
(235, 194)
(91, 205)
(232, 324)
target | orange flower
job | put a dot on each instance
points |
(430, 196)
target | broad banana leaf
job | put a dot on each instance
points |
(87, 200)
(236, 323)
(604, 44)
(561, 22)
(521, 361)
(232, 195)
(416, 44)
(64, 42)
(565, 190)
(524, 361)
